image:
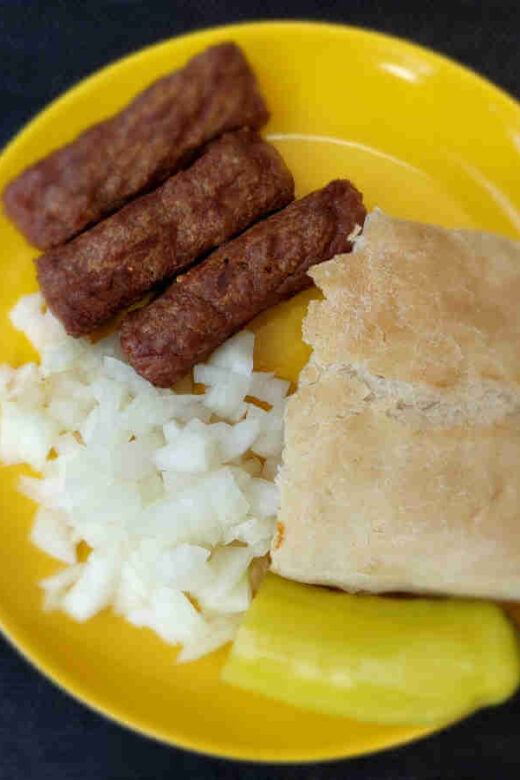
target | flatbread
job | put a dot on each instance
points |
(401, 465)
(421, 304)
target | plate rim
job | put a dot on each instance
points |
(467, 71)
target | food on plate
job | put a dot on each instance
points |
(172, 492)
(402, 443)
(158, 133)
(421, 662)
(239, 179)
(265, 265)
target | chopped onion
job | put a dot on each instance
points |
(169, 490)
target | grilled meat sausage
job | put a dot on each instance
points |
(96, 275)
(264, 265)
(157, 134)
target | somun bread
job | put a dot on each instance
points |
(402, 452)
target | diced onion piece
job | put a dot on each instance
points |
(56, 586)
(270, 468)
(40, 327)
(226, 398)
(236, 354)
(219, 631)
(228, 565)
(189, 451)
(269, 442)
(173, 616)
(163, 487)
(268, 388)
(45, 492)
(95, 588)
(7, 375)
(263, 497)
(51, 534)
(235, 440)
(26, 435)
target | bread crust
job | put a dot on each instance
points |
(425, 305)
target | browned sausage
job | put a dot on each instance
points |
(96, 275)
(263, 266)
(133, 151)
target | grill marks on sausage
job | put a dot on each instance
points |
(260, 268)
(143, 241)
(239, 179)
(158, 133)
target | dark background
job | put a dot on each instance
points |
(45, 47)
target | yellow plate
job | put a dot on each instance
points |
(423, 138)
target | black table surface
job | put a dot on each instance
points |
(45, 48)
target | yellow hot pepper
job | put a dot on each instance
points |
(381, 660)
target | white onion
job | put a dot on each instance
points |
(55, 587)
(95, 587)
(267, 387)
(26, 435)
(189, 451)
(170, 490)
(51, 534)
(236, 355)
